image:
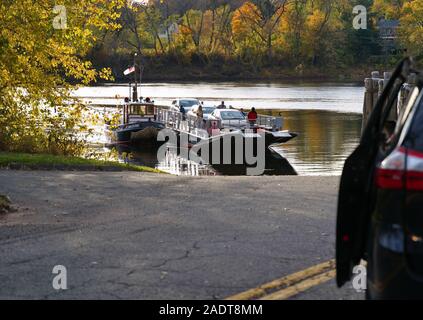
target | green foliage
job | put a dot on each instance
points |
(39, 63)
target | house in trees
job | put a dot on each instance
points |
(168, 32)
(388, 34)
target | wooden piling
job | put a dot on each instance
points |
(374, 87)
(371, 95)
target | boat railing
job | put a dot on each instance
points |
(186, 123)
(194, 125)
(269, 122)
(264, 122)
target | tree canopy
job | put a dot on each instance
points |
(42, 50)
(255, 33)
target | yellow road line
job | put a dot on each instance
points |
(285, 282)
(300, 287)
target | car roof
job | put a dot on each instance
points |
(220, 110)
(187, 99)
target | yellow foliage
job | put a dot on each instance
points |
(243, 19)
(391, 9)
(37, 60)
(411, 26)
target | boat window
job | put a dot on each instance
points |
(134, 109)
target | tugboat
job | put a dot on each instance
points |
(138, 123)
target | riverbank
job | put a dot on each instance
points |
(174, 72)
(24, 161)
(133, 236)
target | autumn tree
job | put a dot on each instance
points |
(411, 27)
(389, 9)
(324, 33)
(261, 17)
(132, 22)
(222, 39)
(193, 21)
(292, 29)
(42, 50)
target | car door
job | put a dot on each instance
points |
(355, 193)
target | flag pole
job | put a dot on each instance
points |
(135, 92)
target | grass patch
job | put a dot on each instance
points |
(50, 162)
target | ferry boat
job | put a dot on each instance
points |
(138, 124)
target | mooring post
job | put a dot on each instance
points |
(370, 97)
(374, 88)
(368, 102)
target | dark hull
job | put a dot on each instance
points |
(271, 138)
(137, 133)
(214, 152)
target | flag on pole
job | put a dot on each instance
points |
(129, 71)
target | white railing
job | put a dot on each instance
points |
(190, 124)
(270, 123)
(186, 123)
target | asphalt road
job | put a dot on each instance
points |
(145, 236)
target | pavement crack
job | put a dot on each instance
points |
(166, 261)
(142, 230)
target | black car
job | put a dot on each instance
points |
(380, 209)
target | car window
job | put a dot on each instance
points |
(390, 125)
(232, 115)
(394, 131)
(188, 103)
(414, 136)
(208, 110)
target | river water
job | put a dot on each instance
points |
(326, 116)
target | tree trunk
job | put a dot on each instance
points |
(269, 46)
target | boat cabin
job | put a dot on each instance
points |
(138, 112)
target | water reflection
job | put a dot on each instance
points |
(325, 140)
(175, 162)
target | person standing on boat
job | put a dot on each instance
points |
(222, 105)
(200, 113)
(214, 129)
(252, 117)
(182, 110)
(200, 116)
